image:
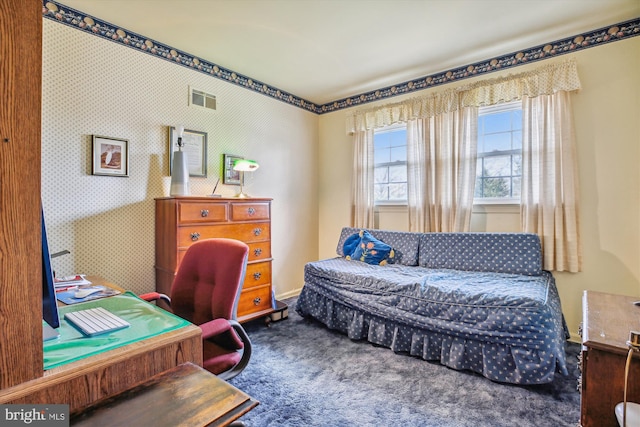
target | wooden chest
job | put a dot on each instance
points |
(606, 323)
(181, 221)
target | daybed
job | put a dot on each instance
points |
(472, 301)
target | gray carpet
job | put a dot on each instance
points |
(306, 375)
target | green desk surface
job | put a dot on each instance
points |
(146, 321)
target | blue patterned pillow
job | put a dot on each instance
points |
(366, 248)
(351, 244)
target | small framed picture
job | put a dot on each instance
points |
(194, 144)
(110, 156)
(230, 176)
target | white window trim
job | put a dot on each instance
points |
(391, 128)
(497, 201)
(388, 208)
(392, 203)
(483, 208)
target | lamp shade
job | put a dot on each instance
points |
(244, 165)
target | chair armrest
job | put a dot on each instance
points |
(154, 296)
(214, 327)
(246, 352)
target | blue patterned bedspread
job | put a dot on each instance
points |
(507, 327)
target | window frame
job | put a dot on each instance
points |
(391, 128)
(495, 109)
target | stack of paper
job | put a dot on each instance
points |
(69, 281)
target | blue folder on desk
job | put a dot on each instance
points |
(146, 321)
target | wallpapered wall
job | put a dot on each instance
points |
(92, 86)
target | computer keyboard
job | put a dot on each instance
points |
(95, 321)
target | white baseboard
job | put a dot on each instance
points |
(285, 295)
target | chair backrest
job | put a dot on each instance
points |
(209, 280)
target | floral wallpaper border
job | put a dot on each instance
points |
(81, 21)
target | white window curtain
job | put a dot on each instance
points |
(362, 209)
(441, 169)
(545, 80)
(549, 207)
(549, 199)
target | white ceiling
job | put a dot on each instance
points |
(324, 50)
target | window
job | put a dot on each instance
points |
(390, 163)
(499, 168)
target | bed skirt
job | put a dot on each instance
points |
(495, 361)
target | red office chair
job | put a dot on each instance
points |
(205, 292)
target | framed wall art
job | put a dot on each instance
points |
(110, 156)
(195, 147)
(230, 176)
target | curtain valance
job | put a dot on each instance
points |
(542, 81)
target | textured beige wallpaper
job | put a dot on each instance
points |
(93, 86)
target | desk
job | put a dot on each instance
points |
(95, 378)
(186, 395)
(607, 320)
(146, 321)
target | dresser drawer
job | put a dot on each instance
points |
(254, 300)
(183, 221)
(257, 274)
(259, 250)
(249, 211)
(246, 232)
(195, 212)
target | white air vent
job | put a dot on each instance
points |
(202, 99)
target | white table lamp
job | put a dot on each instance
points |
(179, 169)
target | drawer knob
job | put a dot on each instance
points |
(195, 236)
(204, 213)
(257, 275)
(251, 211)
(257, 231)
(257, 301)
(257, 252)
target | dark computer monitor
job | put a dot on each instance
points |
(49, 304)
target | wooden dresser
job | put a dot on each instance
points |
(181, 221)
(607, 320)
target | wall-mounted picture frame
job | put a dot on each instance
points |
(195, 147)
(230, 176)
(110, 156)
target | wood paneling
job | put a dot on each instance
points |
(20, 121)
(95, 378)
